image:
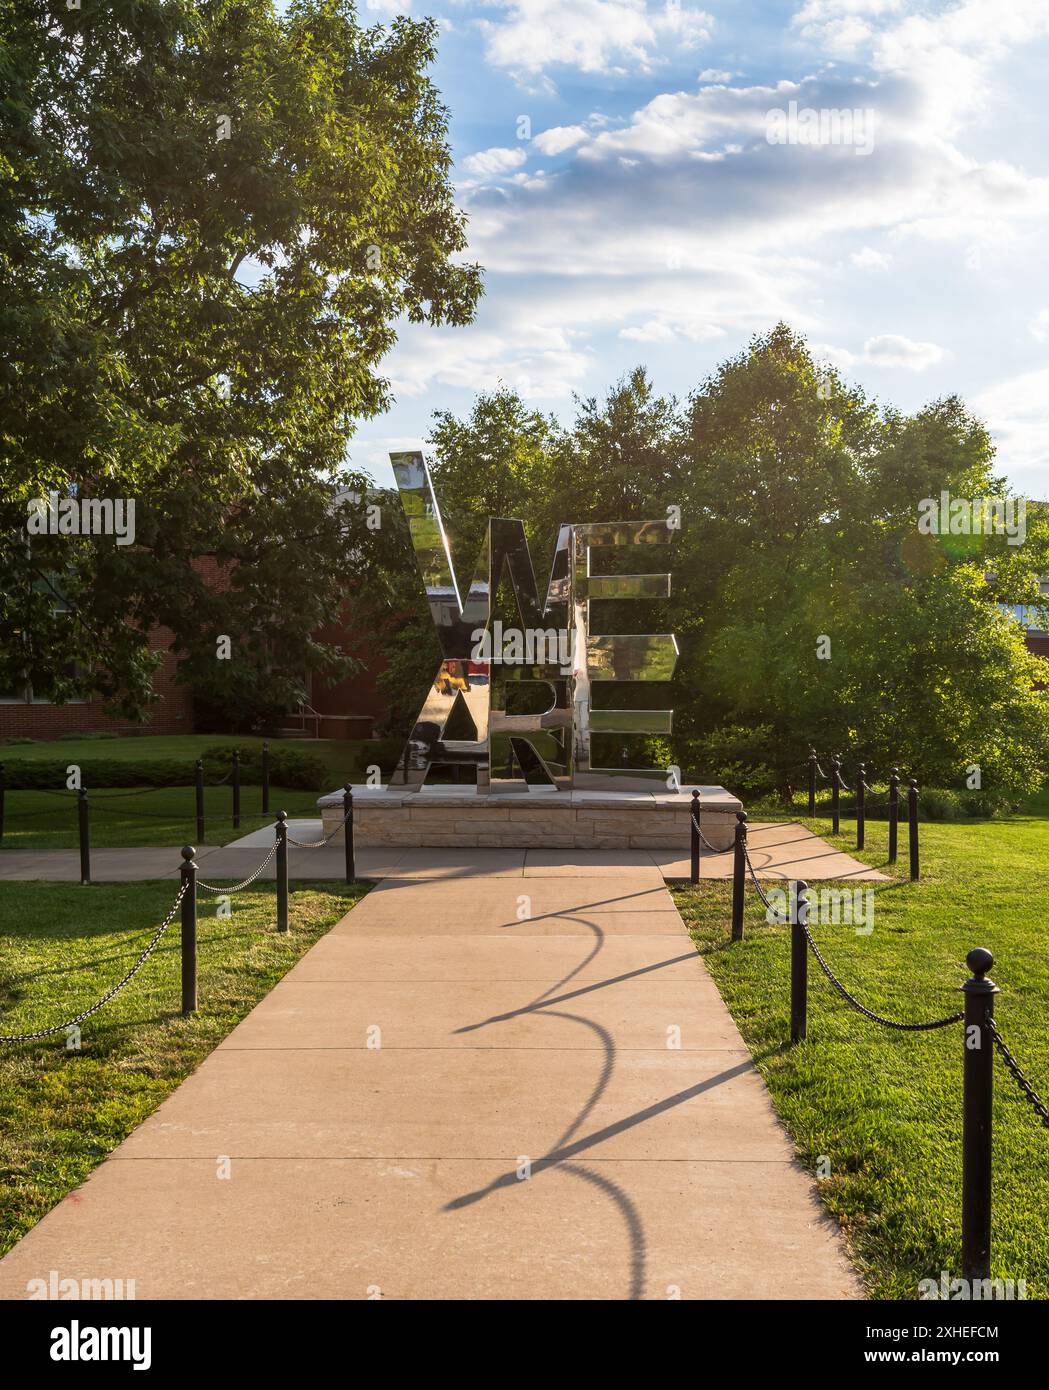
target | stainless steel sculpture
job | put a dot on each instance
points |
(483, 673)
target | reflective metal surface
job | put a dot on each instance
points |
(481, 665)
(625, 657)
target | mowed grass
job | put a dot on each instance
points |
(882, 1110)
(164, 816)
(61, 947)
(120, 817)
(167, 815)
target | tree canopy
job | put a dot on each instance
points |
(212, 217)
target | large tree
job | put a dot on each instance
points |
(212, 216)
(828, 616)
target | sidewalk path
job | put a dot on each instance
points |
(528, 1127)
(778, 851)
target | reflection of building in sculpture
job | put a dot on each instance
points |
(484, 687)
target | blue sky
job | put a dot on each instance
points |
(613, 157)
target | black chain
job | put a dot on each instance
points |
(211, 888)
(757, 885)
(867, 1013)
(867, 806)
(79, 1018)
(1026, 1089)
(703, 839)
(139, 791)
(316, 844)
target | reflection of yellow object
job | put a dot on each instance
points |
(452, 678)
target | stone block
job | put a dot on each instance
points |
(459, 817)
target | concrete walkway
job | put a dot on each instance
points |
(519, 1085)
(778, 851)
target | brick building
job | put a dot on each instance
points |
(347, 709)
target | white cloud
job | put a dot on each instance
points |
(838, 357)
(869, 259)
(513, 341)
(491, 163)
(691, 177)
(1040, 326)
(669, 329)
(886, 350)
(894, 350)
(1017, 413)
(559, 138)
(594, 36)
(947, 54)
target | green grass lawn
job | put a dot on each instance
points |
(161, 816)
(165, 816)
(342, 756)
(62, 946)
(883, 1109)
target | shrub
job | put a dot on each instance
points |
(289, 767)
(942, 804)
(938, 803)
(98, 772)
(92, 737)
(735, 756)
(984, 804)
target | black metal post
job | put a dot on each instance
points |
(200, 801)
(236, 789)
(694, 823)
(812, 781)
(265, 778)
(861, 807)
(282, 871)
(85, 836)
(835, 778)
(189, 932)
(894, 813)
(739, 868)
(347, 830)
(912, 827)
(3, 789)
(799, 961)
(977, 1093)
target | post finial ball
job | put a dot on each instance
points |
(979, 960)
(188, 852)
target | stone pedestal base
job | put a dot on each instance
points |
(533, 819)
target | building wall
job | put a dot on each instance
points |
(358, 696)
(172, 714)
(1038, 642)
